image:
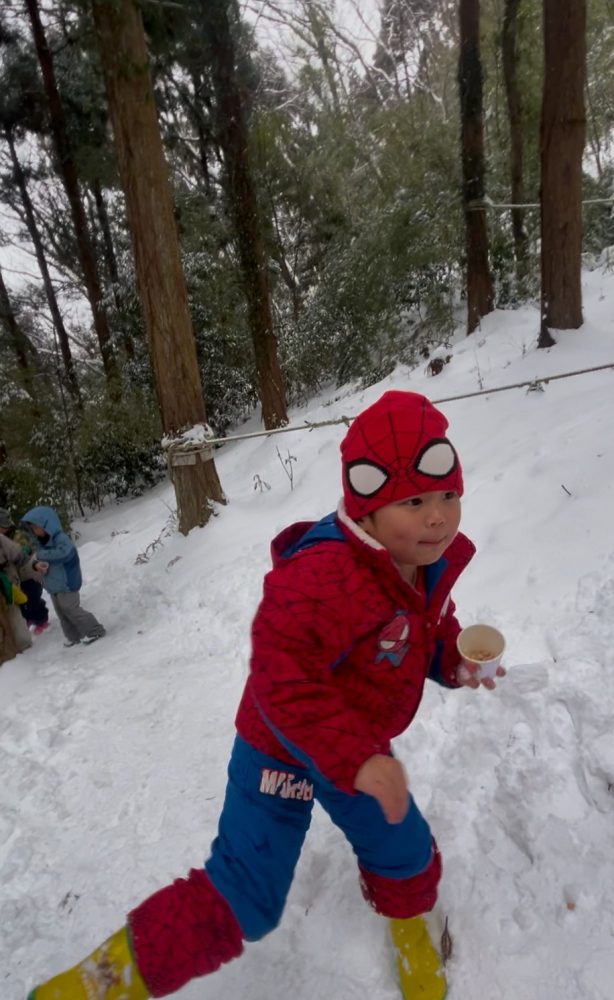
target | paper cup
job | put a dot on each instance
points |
(482, 646)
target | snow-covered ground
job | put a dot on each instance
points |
(112, 757)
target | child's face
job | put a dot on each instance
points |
(416, 531)
(38, 531)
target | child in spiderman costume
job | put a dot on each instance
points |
(356, 615)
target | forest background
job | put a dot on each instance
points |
(320, 198)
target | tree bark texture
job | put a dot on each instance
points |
(161, 282)
(70, 180)
(509, 45)
(39, 250)
(563, 132)
(480, 295)
(232, 135)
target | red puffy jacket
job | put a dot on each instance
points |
(342, 646)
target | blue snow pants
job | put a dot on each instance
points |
(264, 821)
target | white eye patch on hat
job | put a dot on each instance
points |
(366, 478)
(436, 460)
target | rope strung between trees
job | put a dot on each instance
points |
(483, 204)
(533, 384)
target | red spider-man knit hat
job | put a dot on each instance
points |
(397, 448)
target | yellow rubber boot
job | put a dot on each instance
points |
(421, 972)
(109, 973)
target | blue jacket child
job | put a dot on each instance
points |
(62, 575)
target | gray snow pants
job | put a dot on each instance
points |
(76, 622)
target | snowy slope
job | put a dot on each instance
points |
(112, 757)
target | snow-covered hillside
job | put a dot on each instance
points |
(112, 757)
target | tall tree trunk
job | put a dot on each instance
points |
(70, 180)
(194, 106)
(563, 131)
(161, 282)
(480, 295)
(509, 44)
(19, 342)
(317, 24)
(111, 263)
(37, 242)
(233, 140)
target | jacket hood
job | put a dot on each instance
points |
(45, 518)
(303, 535)
(287, 540)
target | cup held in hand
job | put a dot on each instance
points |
(481, 646)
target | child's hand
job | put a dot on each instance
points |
(41, 567)
(467, 676)
(384, 778)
